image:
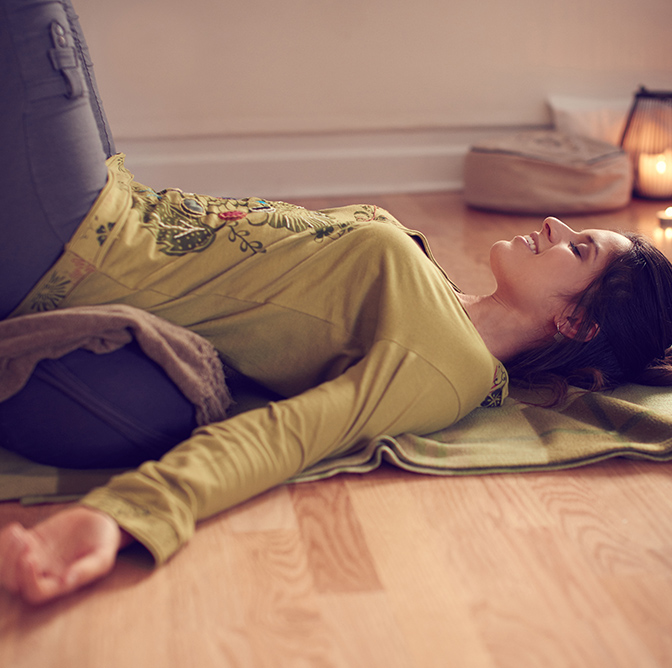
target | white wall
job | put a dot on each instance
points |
(202, 80)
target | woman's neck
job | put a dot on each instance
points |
(505, 330)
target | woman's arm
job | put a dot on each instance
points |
(221, 465)
(390, 391)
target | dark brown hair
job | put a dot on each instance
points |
(631, 302)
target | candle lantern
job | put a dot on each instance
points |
(647, 138)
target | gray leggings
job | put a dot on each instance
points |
(54, 138)
(83, 410)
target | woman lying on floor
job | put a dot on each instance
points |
(342, 313)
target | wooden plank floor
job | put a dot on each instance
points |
(563, 569)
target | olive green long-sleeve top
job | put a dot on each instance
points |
(344, 312)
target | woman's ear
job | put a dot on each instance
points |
(570, 327)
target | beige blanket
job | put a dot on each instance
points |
(633, 421)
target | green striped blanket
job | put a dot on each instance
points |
(633, 421)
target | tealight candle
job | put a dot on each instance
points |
(665, 217)
(654, 176)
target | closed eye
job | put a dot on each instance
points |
(575, 249)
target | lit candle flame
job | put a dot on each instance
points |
(654, 174)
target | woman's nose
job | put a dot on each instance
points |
(557, 230)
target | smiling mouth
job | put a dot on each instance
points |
(531, 243)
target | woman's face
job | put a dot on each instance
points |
(541, 271)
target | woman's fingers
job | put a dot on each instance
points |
(38, 585)
(13, 546)
(22, 564)
(65, 552)
(41, 580)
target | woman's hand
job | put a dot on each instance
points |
(59, 555)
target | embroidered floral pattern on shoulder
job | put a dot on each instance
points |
(186, 223)
(368, 213)
(53, 291)
(298, 219)
(241, 236)
(332, 232)
(55, 288)
(102, 231)
(177, 221)
(289, 216)
(498, 390)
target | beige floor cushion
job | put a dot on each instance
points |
(547, 172)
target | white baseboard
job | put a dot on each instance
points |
(310, 165)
